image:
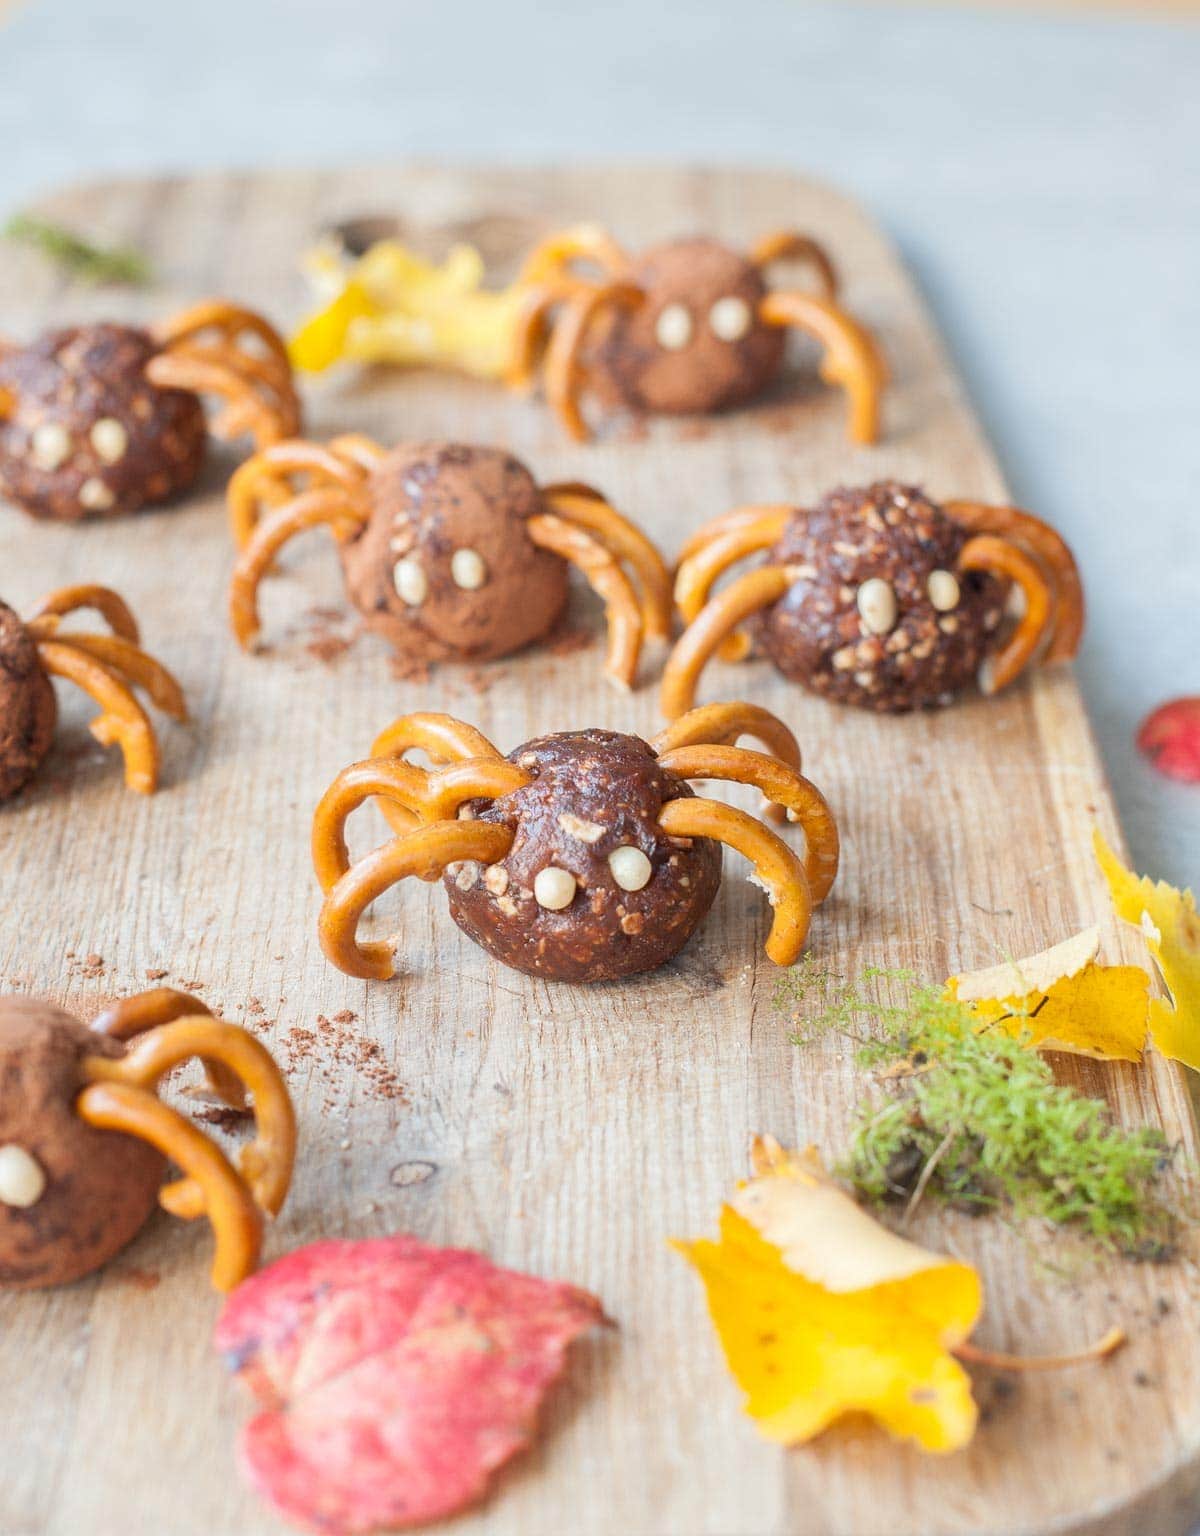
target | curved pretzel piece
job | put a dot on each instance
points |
(423, 853)
(720, 617)
(549, 261)
(724, 725)
(236, 1220)
(587, 509)
(1051, 550)
(776, 867)
(257, 387)
(782, 785)
(270, 478)
(694, 577)
(110, 605)
(266, 1163)
(607, 579)
(441, 737)
(334, 509)
(359, 449)
(131, 664)
(789, 245)
(852, 357)
(130, 1016)
(567, 339)
(999, 557)
(713, 529)
(123, 720)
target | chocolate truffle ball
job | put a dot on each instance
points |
(696, 344)
(84, 433)
(592, 888)
(70, 1196)
(27, 707)
(445, 569)
(882, 617)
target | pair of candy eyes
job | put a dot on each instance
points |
(554, 887)
(22, 1178)
(878, 609)
(468, 570)
(729, 319)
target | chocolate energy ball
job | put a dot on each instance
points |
(592, 888)
(71, 1196)
(445, 568)
(28, 711)
(881, 616)
(83, 431)
(696, 343)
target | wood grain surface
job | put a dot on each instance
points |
(569, 1131)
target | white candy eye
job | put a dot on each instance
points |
(50, 446)
(110, 440)
(468, 569)
(673, 328)
(877, 606)
(410, 581)
(630, 868)
(943, 590)
(22, 1181)
(554, 888)
(730, 319)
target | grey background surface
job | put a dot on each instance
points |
(1039, 172)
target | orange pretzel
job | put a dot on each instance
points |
(567, 339)
(748, 594)
(724, 725)
(852, 357)
(986, 552)
(696, 574)
(787, 245)
(269, 478)
(608, 580)
(581, 505)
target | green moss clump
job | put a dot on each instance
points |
(90, 263)
(973, 1116)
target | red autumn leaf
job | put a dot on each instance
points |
(1170, 738)
(393, 1376)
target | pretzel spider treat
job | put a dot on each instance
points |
(450, 552)
(583, 856)
(84, 1138)
(689, 326)
(878, 597)
(107, 666)
(99, 420)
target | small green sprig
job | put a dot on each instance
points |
(974, 1117)
(90, 263)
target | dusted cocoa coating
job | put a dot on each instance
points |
(708, 373)
(816, 635)
(83, 432)
(592, 792)
(100, 1185)
(431, 502)
(27, 707)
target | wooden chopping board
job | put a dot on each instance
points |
(568, 1131)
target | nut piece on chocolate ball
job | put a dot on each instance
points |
(878, 597)
(582, 856)
(451, 552)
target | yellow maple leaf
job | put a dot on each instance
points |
(1064, 1000)
(1170, 925)
(822, 1312)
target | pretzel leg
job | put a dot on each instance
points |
(988, 552)
(265, 399)
(271, 477)
(131, 1016)
(123, 720)
(852, 357)
(359, 449)
(266, 1163)
(563, 366)
(720, 617)
(694, 577)
(607, 580)
(550, 260)
(443, 738)
(400, 787)
(589, 510)
(111, 607)
(724, 725)
(236, 1220)
(530, 330)
(788, 245)
(1051, 550)
(776, 867)
(782, 785)
(134, 666)
(424, 853)
(266, 421)
(334, 509)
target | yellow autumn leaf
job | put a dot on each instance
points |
(1170, 926)
(1063, 999)
(397, 307)
(822, 1312)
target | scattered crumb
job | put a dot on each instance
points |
(156, 973)
(406, 669)
(90, 966)
(332, 1047)
(255, 1007)
(345, 1017)
(226, 1117)
(140, 1279)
